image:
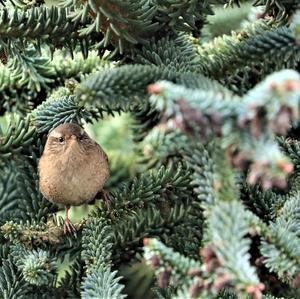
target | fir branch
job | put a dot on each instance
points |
(37, 266)
(280, 242)
(162, 148)
(280, 250)
(119, 89)
(281, 10)
(264, 203)
(184, 16)
(191, 134)
(177, 53)
(170, 267)
(122, 23)
(290, 215)
(72, 279)
(55, 111)
(12, 285)
(282, 253)
(224, 21)
(96, 256)
(8, 193)
(66, 66)
(5, 79)
(262, 109)
(32, 205)
(227, 229)
(225, 55)
(27, 234)
(149, 222)
(144, 120)
(291, 147)
(102, 284)
(4, 251)
(149, 190)
(200, 161)
(101, 281)
(29, 69)
(125, 88)
(40, 24)
(18, 134)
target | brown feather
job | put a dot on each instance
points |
(73, 172)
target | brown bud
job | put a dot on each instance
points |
(279, 183)
(257, 123)
(259, 261)
(255, 291)
(194, 272)
(253, 177)
(282, 122)
(191, 114)
(196, 288)
(221, 281)
(240, 161)
(155, 261)
(217, 118)
(296, 281)
(164, 277)
(243, 122)
(266, 182)
(210, 259)
(207, 252)
(212, 265)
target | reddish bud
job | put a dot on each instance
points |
(291, 85)
(154, 89)
(255, 291)
(285, 166)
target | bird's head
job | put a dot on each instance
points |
(67, 137)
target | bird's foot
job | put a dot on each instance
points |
(106, 198)
(69, 227)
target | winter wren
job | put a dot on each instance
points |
(72, 168)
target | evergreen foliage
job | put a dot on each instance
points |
(197, 104)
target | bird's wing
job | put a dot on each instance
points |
(102, 152)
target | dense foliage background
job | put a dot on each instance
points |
(197, 105)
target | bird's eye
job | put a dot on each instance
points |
(61, 140)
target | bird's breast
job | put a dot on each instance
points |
(73, 178)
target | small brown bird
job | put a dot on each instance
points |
(72, 169)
